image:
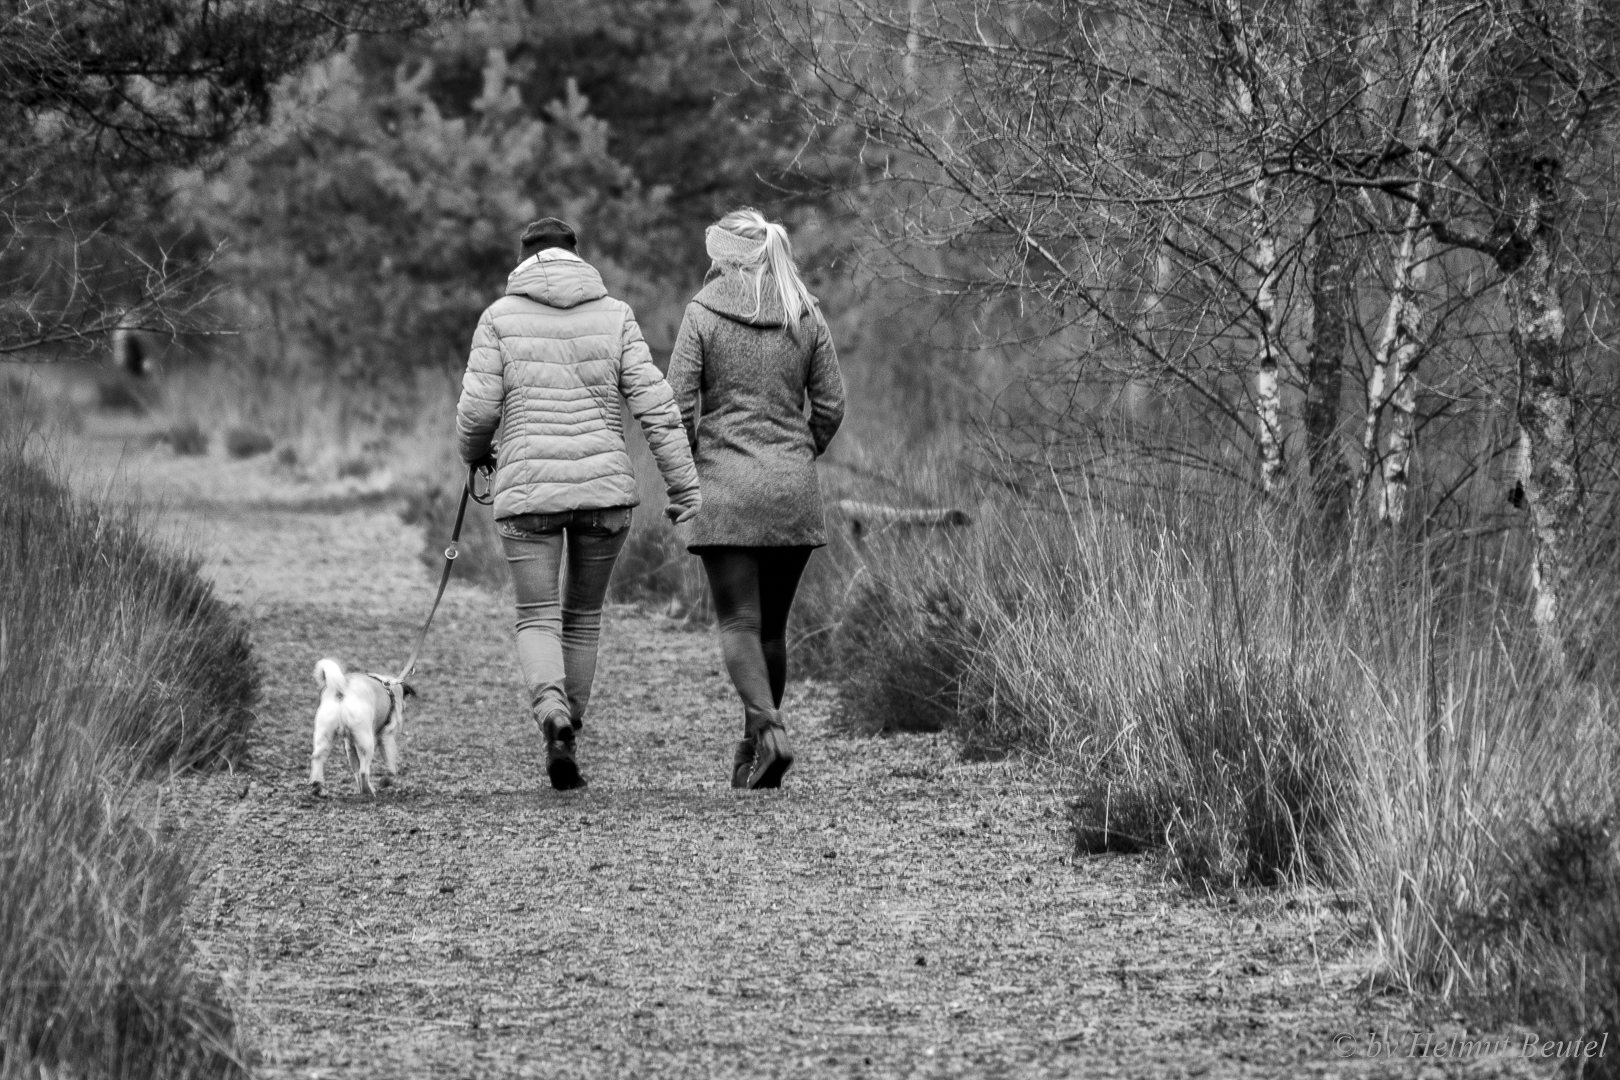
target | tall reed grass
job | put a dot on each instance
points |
(116, 660)
(1208, 678)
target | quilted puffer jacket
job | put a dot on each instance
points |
(550, 361)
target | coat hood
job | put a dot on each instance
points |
(557, 279)
(731, 293)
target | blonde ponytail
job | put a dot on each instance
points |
(743, 239)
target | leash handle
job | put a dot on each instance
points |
(450, 553)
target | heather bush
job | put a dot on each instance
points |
(116, 659)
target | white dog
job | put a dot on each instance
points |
(363, 710)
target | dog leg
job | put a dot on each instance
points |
(317, 760)
(390, 753)
(364, 747)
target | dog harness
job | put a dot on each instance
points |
(393, 698)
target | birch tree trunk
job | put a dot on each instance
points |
(1243, 77)
(1400, 348)
(1546, 415)
(1393, 382)
(913, 43)
(1267, 395)
(1392, 497)
(1399, 351)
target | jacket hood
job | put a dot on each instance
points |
(557, 279)
(731, 293)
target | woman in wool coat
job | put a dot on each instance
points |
(753, 349)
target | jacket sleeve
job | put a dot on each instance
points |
(483, 390)
(652, 403)
(686, 372)
(825, 388)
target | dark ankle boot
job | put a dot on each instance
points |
(742, 763)
(560, 764)
(773, 753)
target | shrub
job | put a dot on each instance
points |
(187, 438)
(1480, 829)
(115, 658)
(106, 612)
(1246, 792)
(117, 391)
(356, 468)
(1155, 661)
(900, 658)
(246, 443)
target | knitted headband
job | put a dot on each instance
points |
(731, 249)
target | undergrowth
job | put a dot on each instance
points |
(1208, 679)
(116, 660)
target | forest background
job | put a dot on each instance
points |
(1266, 348)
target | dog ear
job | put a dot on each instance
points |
(410, 691)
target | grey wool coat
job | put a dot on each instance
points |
(550, 361)
(742, 382)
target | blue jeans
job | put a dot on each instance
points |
(561, 564)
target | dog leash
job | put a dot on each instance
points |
(450, 553)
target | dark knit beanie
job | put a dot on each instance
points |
(548, 233)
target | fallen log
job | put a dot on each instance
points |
(866, 517)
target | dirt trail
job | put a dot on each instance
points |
(893, 911)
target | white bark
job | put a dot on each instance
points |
(913, 44)
(1546, 414)
(1399, 351)
(1398, 455)
(1267, 398)
(1267, 392)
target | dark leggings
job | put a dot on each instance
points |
(753, 591)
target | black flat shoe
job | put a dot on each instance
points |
(560, 765)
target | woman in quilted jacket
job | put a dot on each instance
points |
(550, 362)
(752, 351)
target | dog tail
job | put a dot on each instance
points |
(329, 674)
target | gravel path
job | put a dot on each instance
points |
(893, 911)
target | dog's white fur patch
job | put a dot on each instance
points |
(356, 709)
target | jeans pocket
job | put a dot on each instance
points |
(532, 526)
(610, 522)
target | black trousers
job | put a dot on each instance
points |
(753, 591)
